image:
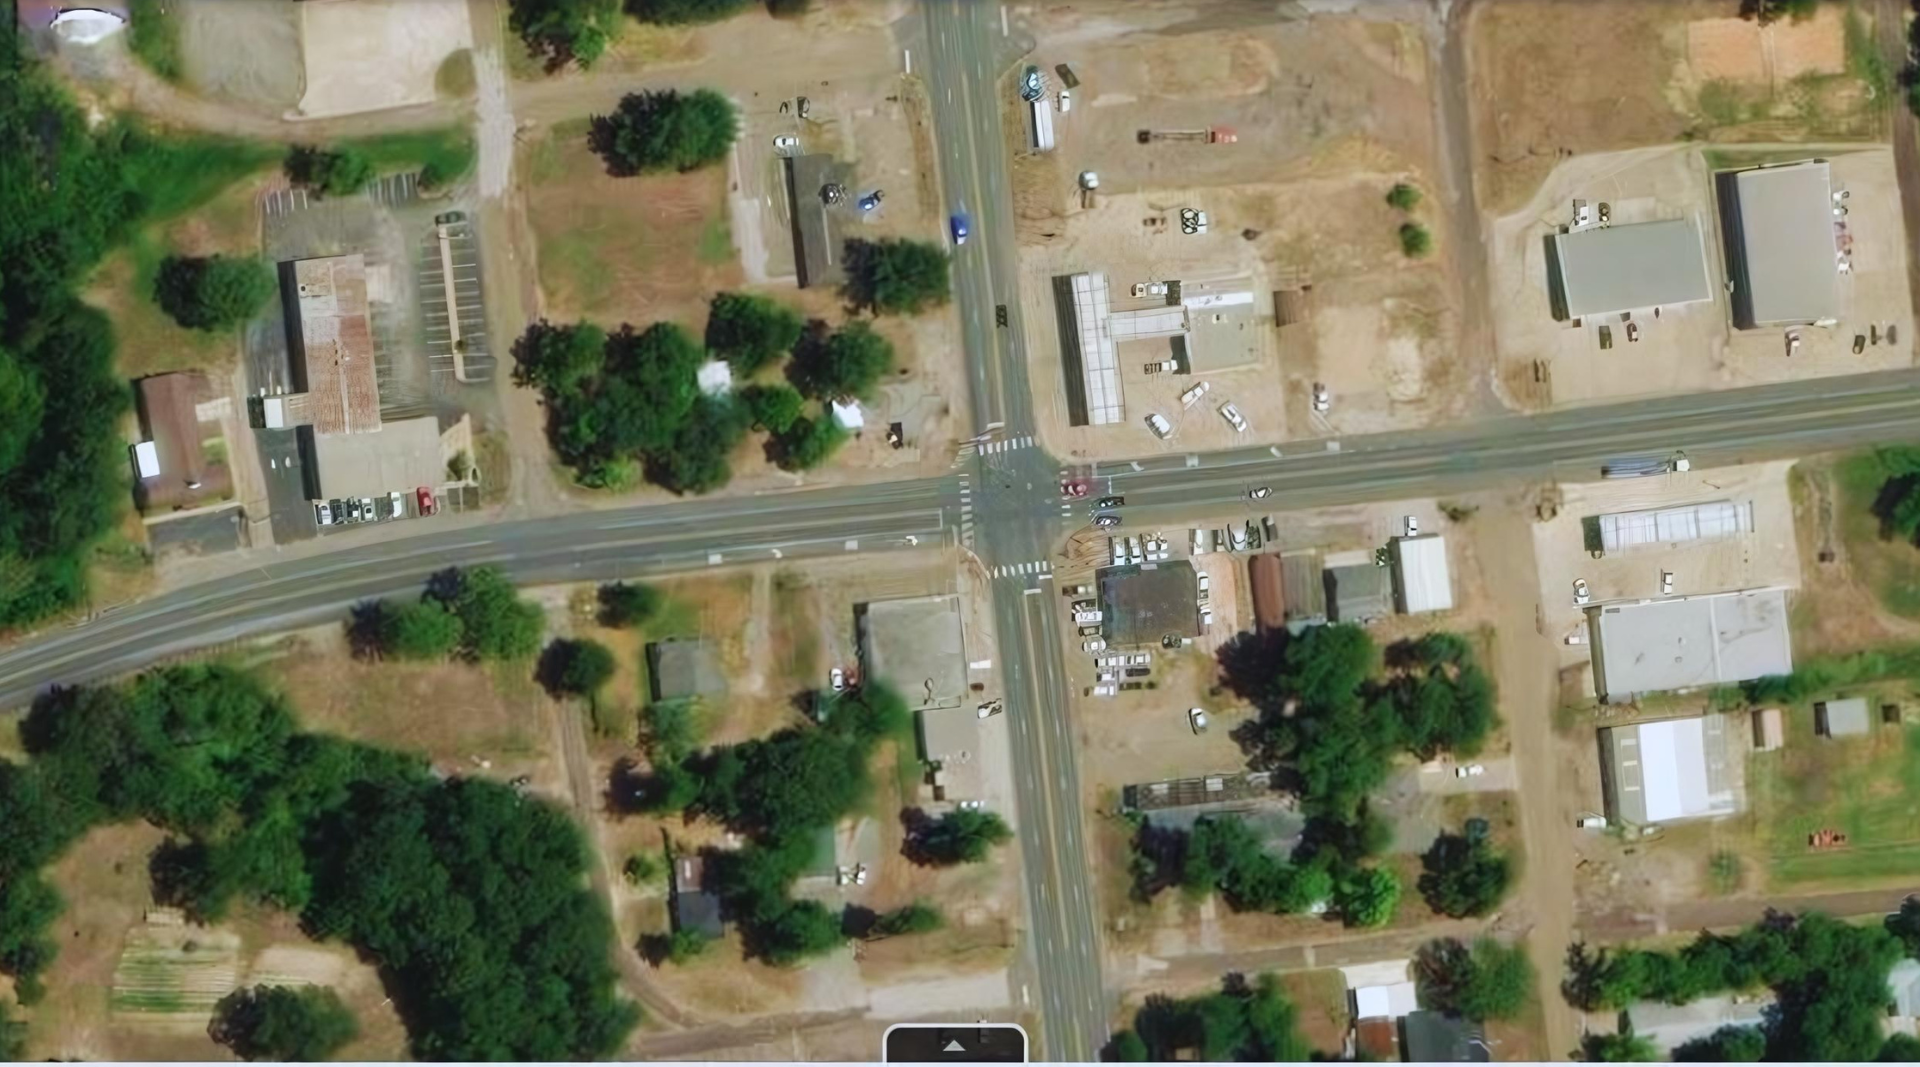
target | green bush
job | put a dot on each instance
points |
(918, 917)
(848, 362)
(684, 12)
(896, 276)
(626, 605)
(807, 443)
(1403, 196)
(212, 293)
(576, 667)
(1415, 241)
(1367, 896)
(963, 835)
(566, 31)
(424, 630)
(329, 172)
(266, 1022)
(774, 408)
(1464, 878)
(1239, 1024)
(640, 869)
(665, 130)
(1488, 981)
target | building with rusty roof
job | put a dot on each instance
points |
(333, 339)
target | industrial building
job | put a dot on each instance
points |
(1713, 521)
(1681, 642)
(171, 467)
(1422, 581)
(950, 746)
(1357, 590)
(1655, 772)
(1206, 325)
(1778, 224)
(1146, 603)
(817, 187)
(1610, 270)
(915, 646)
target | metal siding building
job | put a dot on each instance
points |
(1679, 643)
(1422, 581)
(1144, 604)
(1606, 270)
(1714, 521)
(1667, 770)
(1099, 365)
(1778, 225)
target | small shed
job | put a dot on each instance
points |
(1841, 718)
(1769, 733)
(1422, 581)
(694, 907)
(1389, 1001)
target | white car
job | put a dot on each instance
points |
(1066, 101)
(1681, 463)
(1260, 492)
(1139, 659)
(1202, 577)
(1413, 526)
(1322, 399)
(1095, 644)
(1666, 583)
(1233, 417)
(399, 504)
(1581, 594)
(1103, 690)
(1206, 617)
(1197, 718)
(323, 514)
(1106, 676)
(1591, 822)
(786, 142)
(1471, 770)
(837, 678)
(1159, 425)
(1188, 398)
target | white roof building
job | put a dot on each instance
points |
(1669, 770)
(1422, 581)
(1683, 642)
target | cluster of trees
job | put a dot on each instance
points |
(628, 605)
(1488, 981)
(1464, 876)
(959, 836)
(340, 171)
(579, 31)
(68, 194)
(779, 791)
(1830, 979)
(1223, 854)
(467, 894)
(1239, 1024)
(212, 292)
(269, 1022)
(664, 130)
(894, 275)
(475, 614)
(576, 667)
(1897, 504)
(1767, 12)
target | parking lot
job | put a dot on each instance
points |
(464, 326)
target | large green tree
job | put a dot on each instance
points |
(683, 12)
(566, 31)
(807, 443)
(625, 605)
(1489, 981)
(1238, 1024)
(212, 292)
(339, 171)
(848, 362)
(750, 331)
(896, 276)
(21, 397)
(665, 130)
(559, 359)
(269, 1022)
(1729, 1044)
(1464, 877)
(964, 835)
(773, 408)
(576, 666)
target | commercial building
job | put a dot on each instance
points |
(915, 645)
(171, 467)
(333, 337)
(1083, 307)
(1358, 591)
(1713, 521)
(1422, 582)
(1842, 718)
(403, 455)
(1782, 257)
(1682, 642)
(1610, 270)
(1654, 772)
(950, 746)
(1146, 603)
(1209, 326)
(678, 668)
(817, 184)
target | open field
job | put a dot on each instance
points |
(1668, 72)
(1330, 113)
(1866, 787)
(1887, 566)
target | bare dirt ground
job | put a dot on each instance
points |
(1668, 70)
(370, 56)
(1330, 113)
(243, 52)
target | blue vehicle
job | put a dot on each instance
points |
(959, 222)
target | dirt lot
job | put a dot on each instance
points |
(1691, 348)
(1669, 70)
(1330, 113)
(377, 54)
(243, 51)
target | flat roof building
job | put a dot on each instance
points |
(1304, 582)
(678, 668)
(333, 336)
(1359, 592)
(1269, 596)
(1782, 259)
(1143, 604)
(1842, 718)
(1673, 769)
(1713, 521)
(1084, 307)
(171, 469)
(950, 741)
(915, 645)
(817, 251)
(1421, 579)
(1607, 270)
(1716, 639)
(402, 456)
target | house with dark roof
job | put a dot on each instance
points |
(1430, 1037)
(695, 907)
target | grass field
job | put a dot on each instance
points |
(154, 37)
(1890, 567)
(1865, 787)
(447, 152)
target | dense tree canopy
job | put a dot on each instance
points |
(1464, 877)
(807, 443)
(1900, 1048)
(683, 12)
(896, 276)
(212, 292)
(1488, 981)
(624, 605)
(1367, 896)
(566, 31)
(470, 896)
(773, 408)
(848, 362)
(918, 917)
(423, 630)
(963, 835)
(270, 1022)
(576, 666)
(751, 331)
(476, 614)
(1623, 1047)
(696, 461)
(1729, 1044)
(664, 130)
(330, 171)
(1237, 1024)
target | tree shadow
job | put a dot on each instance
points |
(366, 622)
(603, 140)
(1159, 859)
(1249, 663)
(1886, 503)
(915, 823)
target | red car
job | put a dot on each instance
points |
(424, 497)
(1077, 487)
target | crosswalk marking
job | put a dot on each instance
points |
(1008, 445)
(1038, 567)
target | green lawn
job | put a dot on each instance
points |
(448, 152)
(1865, 787)
(154, 37)
(1891, 568)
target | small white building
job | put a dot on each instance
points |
(1422, 581)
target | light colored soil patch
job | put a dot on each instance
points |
(103, 880)
(621, 249)
(377, 54)
(1742, 50)
(243, 51)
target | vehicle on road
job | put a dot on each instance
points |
(1471, 770)
(1159, 425)
(1197, 718)
(1095, 645)
(1259, 492)
(1666, 583)
(1087, 618)
(1322, 399)
(991, 708)
(1106, 519)
(837, 679)
(1581, 594)
(786, 142)
(1110, 502)
(1233, 417)
(1089, 631)
(322, 514)
(1201, 578)
(959, 225)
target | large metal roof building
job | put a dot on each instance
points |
(1682, 642)
(1605, 270)
(1667, 770)
(1778, 223)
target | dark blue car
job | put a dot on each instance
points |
(959, 222)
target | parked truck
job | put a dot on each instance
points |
(1644, 466)
(1209, 135)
